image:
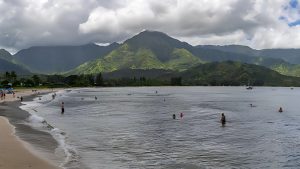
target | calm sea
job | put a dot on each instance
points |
(132, 127)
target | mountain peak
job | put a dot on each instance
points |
(151, 32)
(3, 51)
(4, 54)
(160, 43)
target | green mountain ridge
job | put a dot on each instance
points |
(236, 73)
(156, 50)
(147, 50)
(227, 73)
(284, 61)
(128, 55)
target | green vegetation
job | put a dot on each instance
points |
(288, 70)
(236, 74)
(150, 52)
(227, 73)
(142, 58)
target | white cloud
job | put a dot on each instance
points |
(25, 23)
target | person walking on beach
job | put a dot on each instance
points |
(223, 119)
(21, 98)
(62, 107)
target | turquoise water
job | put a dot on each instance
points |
(133, 127)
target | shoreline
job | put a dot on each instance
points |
(14, 154)
(21, 141)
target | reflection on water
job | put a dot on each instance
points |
(133, 127)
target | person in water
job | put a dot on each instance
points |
(62, 107)
(96, 98)
(223, 119)
(174, 116)
(181, 115)
(280, 109)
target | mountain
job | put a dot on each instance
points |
(240, 53)
(227, 73)
(147, 50)
(52, 59)
(156, 50)
(139, 73)
(284, 61)
(6, 64)
(5, 55)
(288, 55)
(236, 73)
(238, 49)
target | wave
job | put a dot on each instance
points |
(38, 122)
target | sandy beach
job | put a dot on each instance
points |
(25, 93)
(14, 154)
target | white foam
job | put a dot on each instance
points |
(40, 123)
(69, 151)
(36, 121)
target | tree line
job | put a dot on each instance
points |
(80, 81)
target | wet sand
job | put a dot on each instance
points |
(15, 154)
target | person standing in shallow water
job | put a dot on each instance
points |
(181, 115)
(62, 107)
(223, 119)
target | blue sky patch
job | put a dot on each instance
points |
(294, 3)
(295, 23)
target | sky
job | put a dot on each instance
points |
(256, 23)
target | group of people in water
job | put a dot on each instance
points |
(223, 118)
(181, 116)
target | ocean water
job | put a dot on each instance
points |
(132, 127)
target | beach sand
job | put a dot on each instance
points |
(25, 93)
(14, 154)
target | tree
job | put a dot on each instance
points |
(99, 80)
(13, 76)
(29, 83)
(7, 76)
(176, 81)
(36, 80)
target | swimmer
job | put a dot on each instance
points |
(223, 119)
(251, 105)
(62, 107)
(280, 110)
(174, 116)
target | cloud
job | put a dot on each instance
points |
(258, 23)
